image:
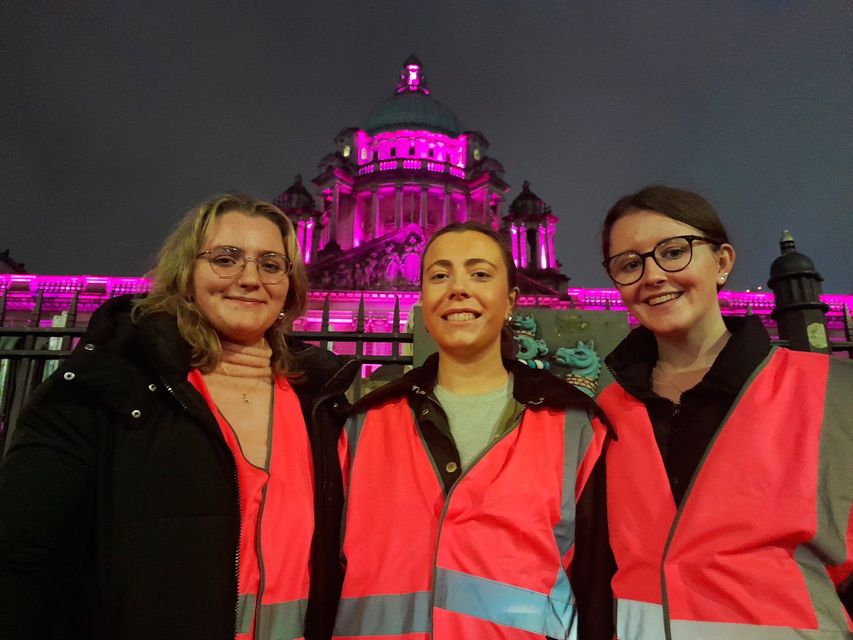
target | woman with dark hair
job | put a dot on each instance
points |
(470, 489)
(165, 481)
(729, 483)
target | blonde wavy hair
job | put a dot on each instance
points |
(172, 286)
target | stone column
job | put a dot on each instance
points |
(424, 210)
(377, 221)
(445, 211)
(486, 217)
(335, 212)
(398, 206)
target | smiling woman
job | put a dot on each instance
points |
(461, 477)
(743, 451)
(185, 431)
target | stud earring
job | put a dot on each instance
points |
(508, 319)
(281, 315)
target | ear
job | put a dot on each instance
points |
(725, 261)
(513, 297)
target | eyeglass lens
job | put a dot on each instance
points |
(672, 254)
(229, 262)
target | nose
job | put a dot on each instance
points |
(458, 288)
(249, 276)
(652, 273)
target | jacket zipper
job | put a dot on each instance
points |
(183, 406)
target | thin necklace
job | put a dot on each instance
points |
(661, 376)
(248, 390)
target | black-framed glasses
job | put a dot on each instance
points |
(229, 262)
(670, 254)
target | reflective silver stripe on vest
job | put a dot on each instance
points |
(578, 435)
(276, 621)
(506, 604)
(384, 615)
(834, 499)
(496, 602)
(644, 621)
(639, 620)
(281, 620)
(353, 428)
(245, 612)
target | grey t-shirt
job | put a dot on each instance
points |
(473, 418)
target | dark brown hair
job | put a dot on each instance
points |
(678, 204)
(509, 347)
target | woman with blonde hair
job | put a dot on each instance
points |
(165, 482)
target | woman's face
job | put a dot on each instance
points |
(465, 294)
(242, 308)
(671, 304)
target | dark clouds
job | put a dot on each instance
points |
(118, 117)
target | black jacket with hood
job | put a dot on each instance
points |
(119, 511)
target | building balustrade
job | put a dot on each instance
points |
(412, 164)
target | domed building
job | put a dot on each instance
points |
(408, 170)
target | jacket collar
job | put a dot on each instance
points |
(631, 362)
(531, 387)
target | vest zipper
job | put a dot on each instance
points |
(261, 572)
(183, 406)
(262, 578)
(447, 504)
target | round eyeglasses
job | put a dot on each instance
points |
(671, 255)
(229, 262)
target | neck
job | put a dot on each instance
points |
(240, 361)
(471, 376)
(696, 348)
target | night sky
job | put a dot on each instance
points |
(116, 117)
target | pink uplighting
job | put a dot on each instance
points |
(21, 292)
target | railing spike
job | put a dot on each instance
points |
(324, 323)
(395, 346)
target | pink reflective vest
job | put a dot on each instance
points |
(273, 560)
(764, 532)
(487, 560)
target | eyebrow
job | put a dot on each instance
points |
(470, 262)
(656, 245)
(264, 252)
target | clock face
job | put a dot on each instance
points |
(476, 154)
(347, 150)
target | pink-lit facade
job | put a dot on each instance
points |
(20, 294)
(412, 162)
(407, 171)
(532, 229)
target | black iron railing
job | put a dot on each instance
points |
(29, 354)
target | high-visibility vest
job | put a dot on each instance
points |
(273, 562)
(763, 533)
(487, 560)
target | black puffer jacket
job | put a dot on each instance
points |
(119, 513)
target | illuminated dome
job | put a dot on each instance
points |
(413, 107)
